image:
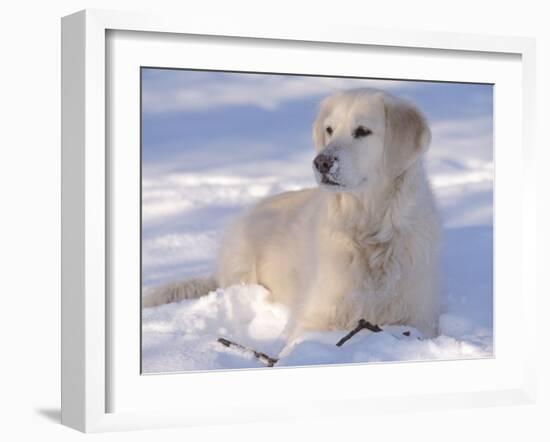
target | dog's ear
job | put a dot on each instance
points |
(407, 136)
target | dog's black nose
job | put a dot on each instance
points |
(323, 162)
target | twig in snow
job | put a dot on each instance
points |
(262, 357)
(360, 326)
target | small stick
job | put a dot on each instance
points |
(262, 357)
(360, 326)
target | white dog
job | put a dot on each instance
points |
(363, 244)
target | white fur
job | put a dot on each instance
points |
(363, 247)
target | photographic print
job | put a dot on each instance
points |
(294, 220)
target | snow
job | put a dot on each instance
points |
(187, 203)
(183, 336)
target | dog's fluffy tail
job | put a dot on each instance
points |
(178, 291)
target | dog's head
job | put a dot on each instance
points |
(364, 135)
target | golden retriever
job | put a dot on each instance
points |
(363, 244)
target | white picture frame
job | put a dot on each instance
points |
(87, 205)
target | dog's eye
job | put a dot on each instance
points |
(329, 130)
(361, 132)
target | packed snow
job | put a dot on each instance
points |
(188, 200)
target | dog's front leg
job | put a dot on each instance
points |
(322, 303)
